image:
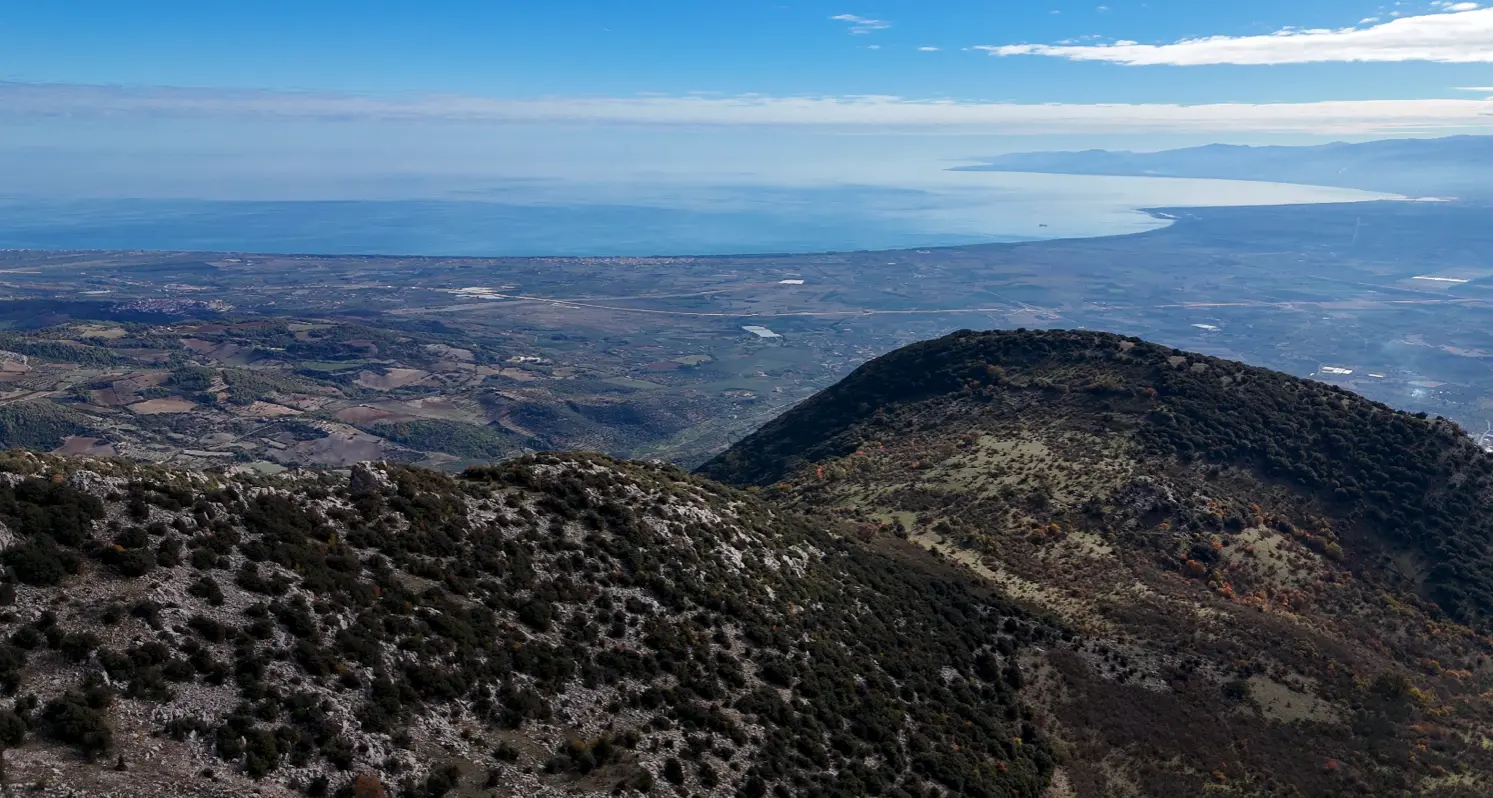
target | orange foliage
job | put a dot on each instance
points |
(368, 786)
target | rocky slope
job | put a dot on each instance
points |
(555, 625)
(1272, 586)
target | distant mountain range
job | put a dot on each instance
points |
(1458, 166)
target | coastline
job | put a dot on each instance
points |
(751, 223)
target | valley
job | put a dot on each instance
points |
(746, 400)
(272, 361)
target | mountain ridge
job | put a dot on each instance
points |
(1192, 405)
(1413, 167)
(1276, 586)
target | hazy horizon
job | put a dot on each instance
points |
(580, 219)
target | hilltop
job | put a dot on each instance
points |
(1277, 586)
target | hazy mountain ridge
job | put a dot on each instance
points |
(1456, 166)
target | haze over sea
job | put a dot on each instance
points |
(578, 219)
(361, 188)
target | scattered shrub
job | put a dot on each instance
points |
(13, 729)
(78, 646)
(78, 719)
(40, 562)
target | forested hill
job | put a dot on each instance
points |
(1277, 587)
(1405, 484)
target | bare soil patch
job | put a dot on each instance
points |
(270, 410)
(106, 333)
(155, 406)
(392, 378)
(80, 445)
(363, 414)
(339, 449)
(446, 352)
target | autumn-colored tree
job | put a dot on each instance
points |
(368, 786)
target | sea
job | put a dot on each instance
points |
(638, 218)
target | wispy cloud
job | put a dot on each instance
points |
(72, 102)
(862, 25)
(1462, 33)
(928, 49)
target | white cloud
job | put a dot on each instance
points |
(1463, 34)
(861, 25)
(70, 101)
(928, 49)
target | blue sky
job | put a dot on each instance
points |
(620, 47)
(125, 93)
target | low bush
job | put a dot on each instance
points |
(77, 718)
(39, 562)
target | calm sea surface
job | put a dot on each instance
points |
(644, 219)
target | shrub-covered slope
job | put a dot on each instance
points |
(1418, 486)
(1272, 587)
(555, 625)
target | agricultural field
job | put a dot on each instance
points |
(274, 361)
